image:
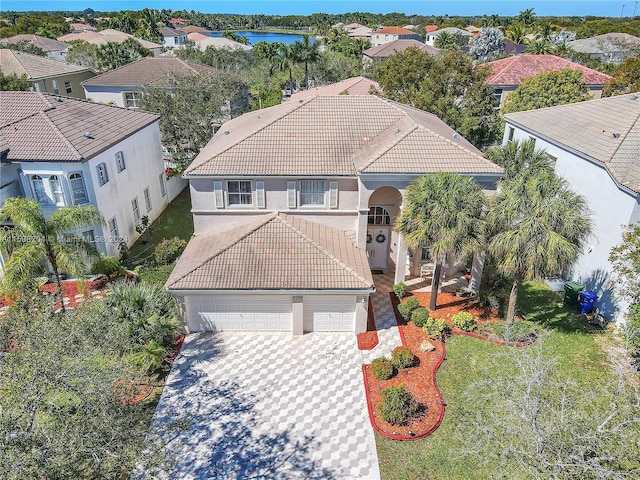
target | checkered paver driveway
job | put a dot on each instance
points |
(264, 406)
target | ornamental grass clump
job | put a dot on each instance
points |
(402, 357)
(436, 328)
(465, 321)
(382, 368)
(420, 316)
(398, 406)
(405, 309)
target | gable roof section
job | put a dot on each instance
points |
(351, 86)
(44, 43)
(105, 36)
(387, 49)
(171, 32)
(34, 66)
(513, 70)
(606, 130)
(605, 43)
(149, 72)
(394, 31)
(203, 41)
(323, 136)
(273, 252)
(39, 127)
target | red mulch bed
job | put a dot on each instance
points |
(448, 305)
(369, 339)
(131, 392)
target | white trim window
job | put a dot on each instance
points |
(78, 190)
(56, 190)
(114, 234)
(132, 99)
(103, 175)
(312, 192)
(147, 199)
(39, 193)
(54, 83)
(378, 216)
(239, 192)
(163, 187)
(67, 87)
(120, 161)
(136, 209)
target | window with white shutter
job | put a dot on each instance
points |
(218, 198)
(291, 194)
(260, 200)
(333, 194)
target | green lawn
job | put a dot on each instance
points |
(573, 343)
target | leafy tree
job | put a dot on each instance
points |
(333, 66)
(625, 260)
(35, 238)
(13, 82)
(489, 45)
(539, 226)
(547, 89)
(106, 57)
(231, 35)
(562, 37)
(25, 46)
(444, 213)
(450, 86)
(190, 107)
(82, 53)
(626, 78)
(305, 51)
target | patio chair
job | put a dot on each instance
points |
(426, 271)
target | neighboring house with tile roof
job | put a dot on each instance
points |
(54, 49)
(390, 34)
(596, 148)
(172, 37)
(63, 151)
(193, 29)
(384, 51)
(82, 27)
(508, 73)
(609, 47)
(351, 86)
(431, 36)
(203, 41)
(44, 74)
(110, 35)
(362, 32)
(290, 201)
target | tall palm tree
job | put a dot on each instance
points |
(305, 51)
(519, 158)
(516, 33)
(34, 239)
(444, 213)
(539, 47)
(448, 41)
(282, 59)
(540, 227)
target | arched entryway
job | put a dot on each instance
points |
(384, 207)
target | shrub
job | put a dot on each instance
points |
(420, 316)
(382, 368)
(405, 309)
(521, 331)
(168, 250)
(400, 289)
(435, 327)
(465, 321)
(402, 357)
(107, 266)
(398, 406)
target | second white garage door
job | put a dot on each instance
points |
(248, 313)
(329, 313)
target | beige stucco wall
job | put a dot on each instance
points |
(45, 85)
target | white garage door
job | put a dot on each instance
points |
(329, 313)
(250, 313)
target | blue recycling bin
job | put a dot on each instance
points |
(586, 300)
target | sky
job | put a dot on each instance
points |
(609, 8)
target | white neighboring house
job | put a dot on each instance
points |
(62, 152)
(54, 49)
(291, 219)
(431, 36)
(172, 37)
(391, 34)
(596, 148)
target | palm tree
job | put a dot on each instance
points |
(35, 238)
(519, 158)
(282, 59)
(448, 41)
(443, 213)
(539, 47)
(540, 227)
(516, 33)
(527, 16)
(305, 51)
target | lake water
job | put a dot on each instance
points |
(255, 37)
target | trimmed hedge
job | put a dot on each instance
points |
(405, 309)
(420, 316)
(382, 368)
(168, 250)
(436, 327)
(398, 406)
(465, 321)
(402, 357)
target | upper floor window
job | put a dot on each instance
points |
(120, 161)
(67, 87)
(56, 190)
(78, 190)
(510, 133)
(239, 192)
(311, 192)
(147, 199)
(163, 187)
(498, 94)
(56, 90)
(132, 99)
(378, 216)
(38, 190)
(103, 175)
(113, 230)
(136, 209)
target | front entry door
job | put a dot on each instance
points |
(378, 246)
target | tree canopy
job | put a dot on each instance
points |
(106, 57)
(626, 78)
(13, 82)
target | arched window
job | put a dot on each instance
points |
(78, 191)
(38, 190)
(56, 190)
(378, 216)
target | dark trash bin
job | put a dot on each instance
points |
(571, 291)
(587, 299)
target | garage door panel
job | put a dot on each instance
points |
(329, 313)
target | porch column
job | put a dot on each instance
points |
(401, 259)
(476, 271)
(362, 308)
(297, 315)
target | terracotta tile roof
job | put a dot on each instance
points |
(387, 49)
(431, 28)
(394, 31)
(273, 252)
(108, 35)
(149, 71)
(34, 66)
(513, 70)
(325, 135)
(44, 43)
(606, 130)
(351, 86)
(38, 127)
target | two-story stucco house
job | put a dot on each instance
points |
(391, 34)
(294, 207)
(596, 148)
(62, 152)
(172, 37)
